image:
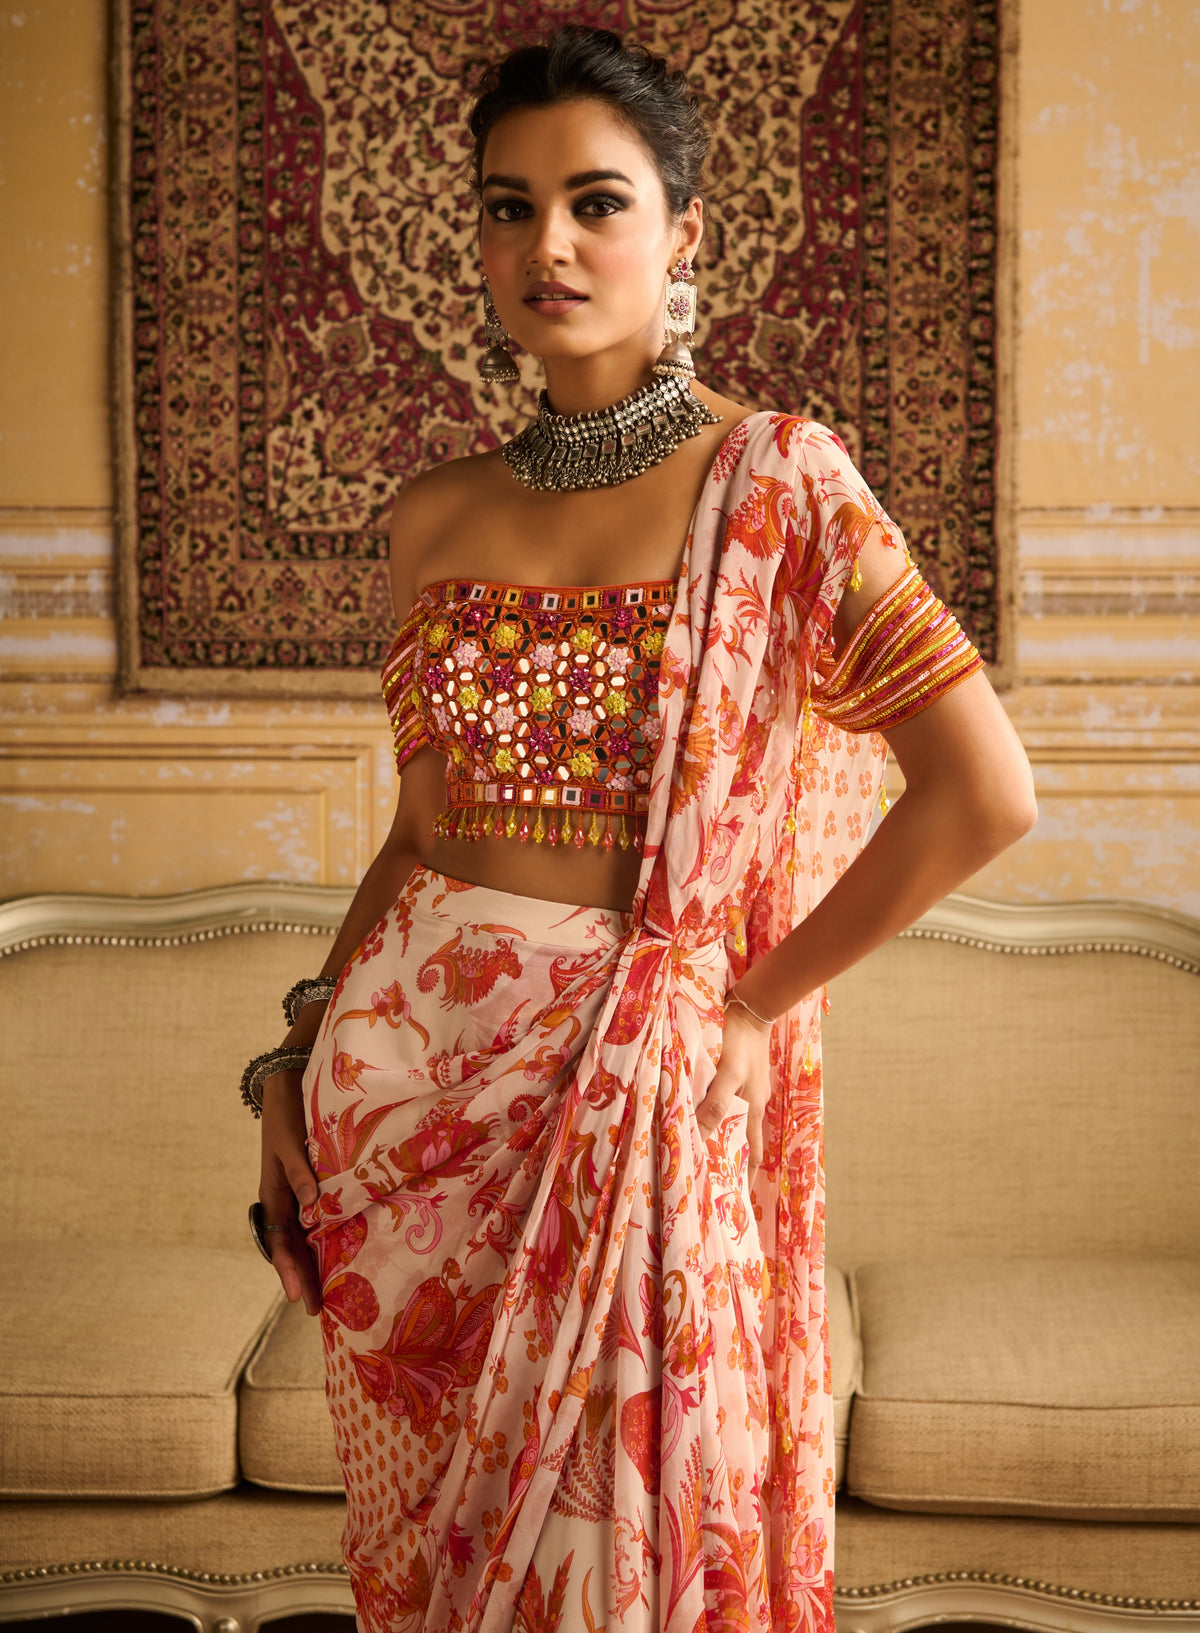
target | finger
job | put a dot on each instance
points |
(297, 1269)
(300, 1177)
(291, 1257)
(716, 1105)
(288, 1141)
(754, 1131)
(754, 1135)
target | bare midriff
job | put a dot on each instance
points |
(553, 873)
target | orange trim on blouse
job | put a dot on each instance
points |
(544, 700)
(908, 651)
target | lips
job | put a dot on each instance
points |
(552, 294)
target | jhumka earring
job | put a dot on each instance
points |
(497, 363)
(676, 356)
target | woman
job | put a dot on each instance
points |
(552, 1174)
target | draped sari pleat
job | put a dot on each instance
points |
(577, 1367)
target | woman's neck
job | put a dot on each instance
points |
(582, 385)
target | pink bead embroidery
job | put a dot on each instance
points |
(543, 700)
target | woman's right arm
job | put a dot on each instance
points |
(287, 1181)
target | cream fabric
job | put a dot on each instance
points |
(978, 1102)
(143, 1064)
(845, 1354)
(238, 1532)
(119, 1365)
(876, 1546)
(284, 1430)
(1065, 1386)
(284, 1433)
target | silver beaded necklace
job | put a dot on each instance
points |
(559, 453)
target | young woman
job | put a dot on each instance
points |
(552, 1173)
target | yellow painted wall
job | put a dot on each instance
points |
(99, 793)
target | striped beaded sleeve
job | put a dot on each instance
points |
(400, 691)
(908, 651)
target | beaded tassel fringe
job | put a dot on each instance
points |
(512, 822)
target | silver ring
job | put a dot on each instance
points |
(276, 1227)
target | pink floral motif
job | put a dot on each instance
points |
(583, 1310)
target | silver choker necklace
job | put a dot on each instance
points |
(559, 453)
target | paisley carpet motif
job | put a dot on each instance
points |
(299, 312)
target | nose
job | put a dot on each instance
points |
(550, 241)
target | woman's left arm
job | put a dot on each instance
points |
(968, 796)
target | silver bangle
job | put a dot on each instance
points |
(287, 1057)
(313, 989)
(734, 998)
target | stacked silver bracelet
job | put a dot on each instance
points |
(313, 989)
(289, 1056)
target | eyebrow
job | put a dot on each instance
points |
(584, 178)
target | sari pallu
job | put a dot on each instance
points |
(588, 1368)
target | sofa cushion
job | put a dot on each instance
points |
(845, 1356)
(119, 1366)
(285, 1436)
(285, 1433)
(1065, 1386)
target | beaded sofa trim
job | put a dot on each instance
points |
(29, 922)
(898, 1588)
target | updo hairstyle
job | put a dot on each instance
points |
(573, 61)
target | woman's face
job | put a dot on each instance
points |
(571, 196)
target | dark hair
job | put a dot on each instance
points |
(573, 61)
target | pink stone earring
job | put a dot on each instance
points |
(676, 356)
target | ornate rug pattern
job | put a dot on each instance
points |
(299, 310)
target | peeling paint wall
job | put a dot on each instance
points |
(99, 793)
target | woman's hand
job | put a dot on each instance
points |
(743, 1069)
(288, 1184)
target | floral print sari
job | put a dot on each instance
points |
(578, 1367)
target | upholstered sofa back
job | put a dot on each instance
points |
(121, 1062)
(1043, 1101)
(1046, 1101)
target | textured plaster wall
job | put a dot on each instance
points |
(54, 447)
(103, 794)
(1110, 253)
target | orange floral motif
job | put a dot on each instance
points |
(759, 522)
(467, 975)
(623, 1418)
(433, 1346)
(696, 762)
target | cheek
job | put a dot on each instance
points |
(620, 264)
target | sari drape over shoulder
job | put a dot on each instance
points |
(578, 1367)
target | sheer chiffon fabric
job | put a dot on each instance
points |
(578, 1367)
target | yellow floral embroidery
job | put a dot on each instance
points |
(582, 763)
(504, 759)
(540, 699)
(582, 639)
(653, 642)
(437, 634)
(616, 703)
(504, 635)
(468, 696)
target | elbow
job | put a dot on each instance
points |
(1006, 815)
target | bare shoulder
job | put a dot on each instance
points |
(426, 510)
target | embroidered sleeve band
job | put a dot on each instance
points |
(907, 652)
(399, 681)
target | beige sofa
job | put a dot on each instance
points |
(1014, 1217)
